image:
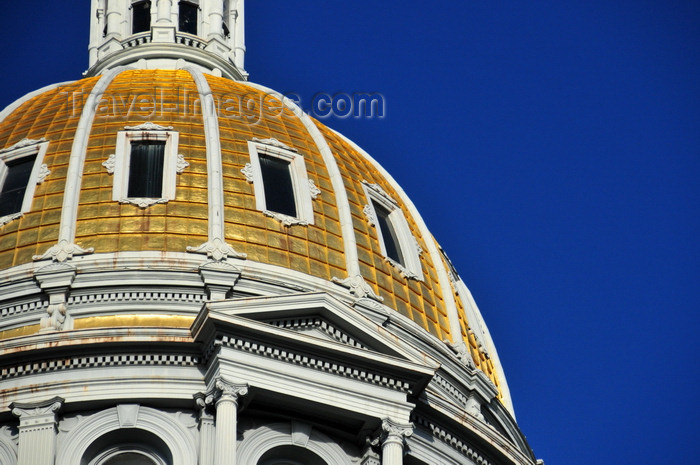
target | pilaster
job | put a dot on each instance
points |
(37, 431)
(207, 428)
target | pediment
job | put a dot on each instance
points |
(311, 325)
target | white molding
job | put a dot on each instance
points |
(65, 248)
(175, 436)
(257, 442)
(274, 143)
(25, 148)
(216, 247)
(118, 163)
(297, 170)
(407, 243)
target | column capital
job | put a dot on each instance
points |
(222, 391)
(393, 431)
(37, 413)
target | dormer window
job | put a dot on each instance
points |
(396, 242)
(282, 187)
(20, 171)
(188, 17)
(145, 165)
(141, 17)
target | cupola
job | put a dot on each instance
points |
(166, 34)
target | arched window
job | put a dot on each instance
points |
(127, 446)
(188, 17)
(141, 16)
(290, 455)
(128, 455)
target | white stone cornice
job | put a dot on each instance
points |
(148, 126)
(275, 143)
(286, 220)
(22, 144)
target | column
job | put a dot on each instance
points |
(164, 11)
(37, 431)
(393, 438)
(226, 396)
(216, 18)
(115, 10)
(239, 31)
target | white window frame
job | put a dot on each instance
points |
(118, 163)
(24, 148)
(410, 250)
(304, 190)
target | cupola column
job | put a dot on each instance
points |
(393, 438)
(216, 18)
(239, 35)
(115, 12)
(37, 431)
(164, 11)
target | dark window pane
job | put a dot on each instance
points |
(188, 17)
(15, 185)
(279, 191)
(227, 33)
(141, 17)
(391, 240)
(146, 169)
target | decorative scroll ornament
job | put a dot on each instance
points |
(143, 202)
(394, 431)
(217, 250)
(148, 127)
(358, 287)
(46, 409)
(285, 219)
(313, 190)
(419, 249)
(462, 353)
(181, 163)
(110, 163)
(248, 172)
(274, 143)
(63, 251)
(7, 218)
(44, 172)
(23, 143)
(377, 189)
(222, 390)
(473, 408)
(369, 214)
(405, 273)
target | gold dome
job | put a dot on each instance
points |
(246, 113)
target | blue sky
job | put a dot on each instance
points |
(553, 149)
